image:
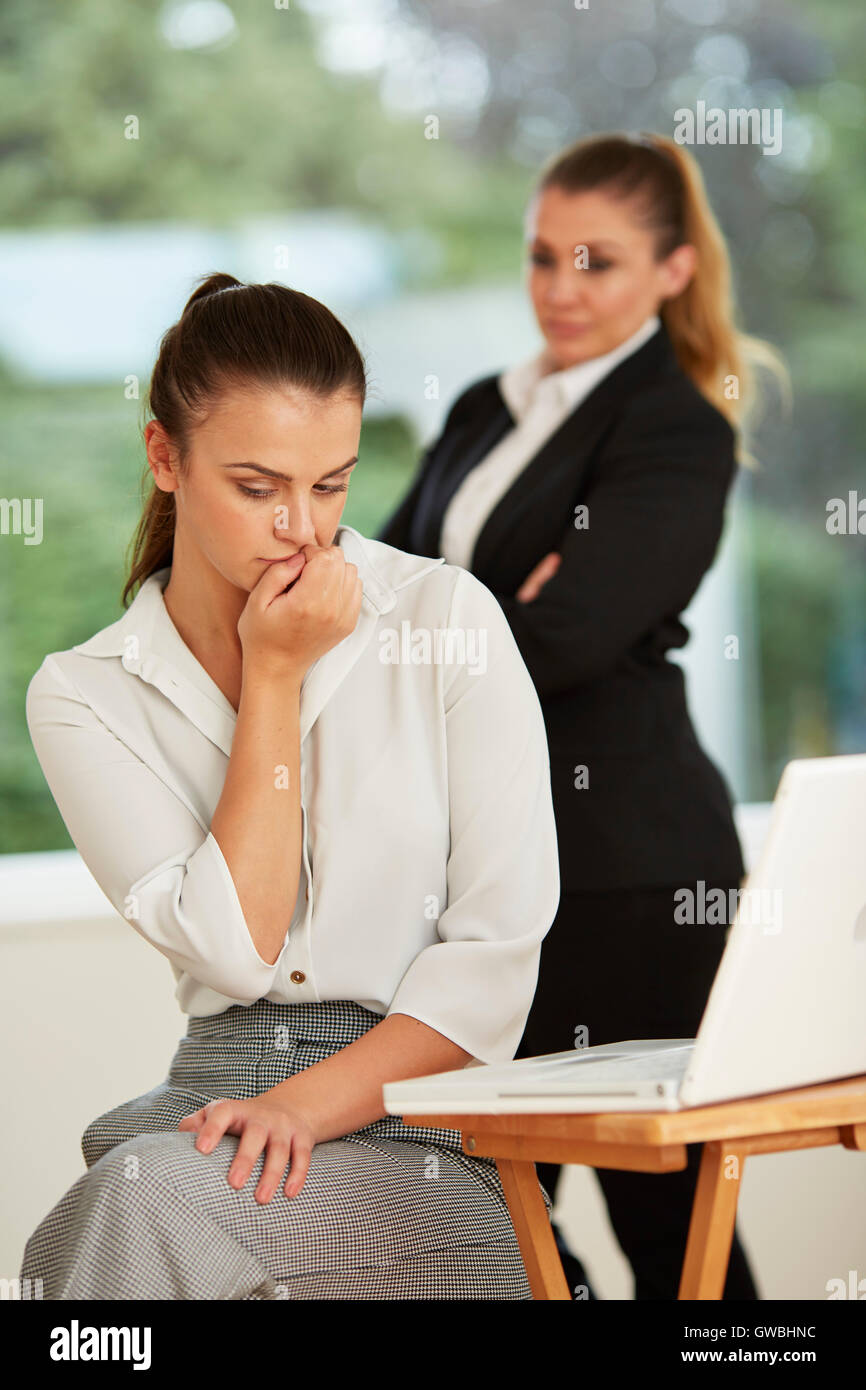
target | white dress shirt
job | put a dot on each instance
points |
(430, 869)
(539, 404)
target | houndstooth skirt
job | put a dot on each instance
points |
(386, 1212)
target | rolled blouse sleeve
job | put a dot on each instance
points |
(145, 849)
(476, 984)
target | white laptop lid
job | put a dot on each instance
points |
(788, 1004)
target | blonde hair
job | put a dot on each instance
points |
(671, 201)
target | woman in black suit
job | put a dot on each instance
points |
(586, 488)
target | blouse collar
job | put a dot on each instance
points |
(150, 646)
(526, 383)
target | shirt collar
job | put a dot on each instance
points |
(523, 384)
(381, 574)
(150, 646)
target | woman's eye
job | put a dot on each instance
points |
(255, 492)
(320, 488)
(539, 258)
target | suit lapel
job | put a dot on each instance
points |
(460, 450)
(572, 447)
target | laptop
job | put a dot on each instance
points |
(787, 1007)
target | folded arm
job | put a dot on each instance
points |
(655, 516)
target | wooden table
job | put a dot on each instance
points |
(655, 1142)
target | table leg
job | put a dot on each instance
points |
(714, 1214)
(533, 1229)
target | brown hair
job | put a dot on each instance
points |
(231, 334)
(671, 201)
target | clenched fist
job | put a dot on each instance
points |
(299, 609)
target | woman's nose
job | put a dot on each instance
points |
(565, 286)
(293, 522)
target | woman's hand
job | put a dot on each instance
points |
(299, 609)
(544, 570)
(258, 1122)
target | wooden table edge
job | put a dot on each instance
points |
(841, 1102)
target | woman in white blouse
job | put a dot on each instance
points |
(312, 771)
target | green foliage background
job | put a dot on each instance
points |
(260, 125)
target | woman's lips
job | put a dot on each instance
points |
(565, 329)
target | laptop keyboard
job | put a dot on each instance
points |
(668, 1064)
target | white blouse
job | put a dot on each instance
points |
(430, 869)
(539, 403)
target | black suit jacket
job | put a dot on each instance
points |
(652, 460)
